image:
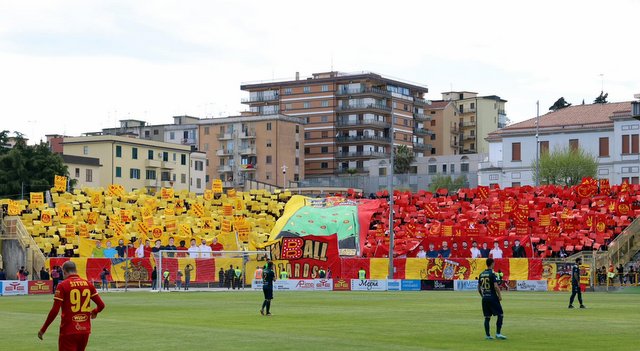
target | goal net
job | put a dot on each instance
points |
(188, 270)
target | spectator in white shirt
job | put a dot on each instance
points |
(421, 253)
(140, 249)
(205, 250)
(496, 252)
(475, 252)
(193, 249)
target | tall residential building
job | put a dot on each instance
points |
(348, 117)
(477, 117)
(134, 163)
(253, 148)
(442, 135)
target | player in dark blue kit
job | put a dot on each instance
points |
(490, 292)
(575, 284)
(268, 277)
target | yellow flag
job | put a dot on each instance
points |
(83, 230)
(92, 217)
(45, 218)
(36, 199)
(216, 186)
(208, 195)
(14, 208)
(198, 209)
(96, 199)
(156, 232)
(65, 213)
(70, 230)
(185, 230)
(142, 229)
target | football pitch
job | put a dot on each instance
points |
(333, 321)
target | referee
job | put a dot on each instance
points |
(268, 277)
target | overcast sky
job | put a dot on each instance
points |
(70, 67)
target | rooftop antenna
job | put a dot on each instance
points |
(332, 62)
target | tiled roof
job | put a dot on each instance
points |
(438, 104)
(588, 116)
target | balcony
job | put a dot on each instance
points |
(422, 132)
(361, 154)
(248, 168)
(168, 165)
(228, 185)
(362, 138)
(454, 128)
(468, 137)
(468, 124)
(454, 143)
(374, 106)
(152, 163)
(248, 151)
(469, 151)
(363, 91)
(225, 136)
(635, 110)
(422, 146)
(421, 117)
(362, 123)
(224, 152)
(421, 102)
(469, 110)
(353, 170)
(152, 183)
(263, 98)
(248, 134)
(224, 169)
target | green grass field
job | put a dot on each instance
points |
(333, 321)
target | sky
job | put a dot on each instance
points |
(79, 66)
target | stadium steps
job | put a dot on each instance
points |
(624, 247)
(12, 229)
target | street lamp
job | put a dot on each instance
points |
(284, 176)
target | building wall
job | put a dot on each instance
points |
(104, 148)
(85, 175)
(198, 172)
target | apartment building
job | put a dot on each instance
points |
(84, 170)
(265, 148)
(183, 131)
(443, 114)
(477, 117)
(606, 131)
(134, 163)
(347, 117)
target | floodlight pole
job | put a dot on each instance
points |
(390, 187)
(537, 142)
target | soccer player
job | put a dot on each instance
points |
(575, 284)
(491, 297)
(268, 277)
(74, 296)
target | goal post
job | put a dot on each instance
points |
(205, 269)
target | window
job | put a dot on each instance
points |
(206, 146)
(118, 172)
(199, 166)
(515, 152)
(515, 184)
(306, 104)
(634, 144)
(269, 126)
(172, 135)
(433, 151)
(494, 177)
(268, 142)
(433, 122)
(118, 151)
(155, 132)
(324, 119)
(151, 174)
(173, 177)
(268, 175)
(573, 144)
(165, 176)
(297, 129)
(297, 161)
(432, 169)
(635, 180)
(604, 147)
(472, 106)
(307, 150)
(134, 153)
(77, 172)
(325, 87)
(174, 157)
(150, 154)
(433, 137)
(183, 178)
(183, 159)
(306, 90)
(324, 165)
(288, 106)
(307, 135)
(406, 122)
(464, 167)
(206, 130)
(146, 133)
(222, 129)
(89, 175)
(544, 147)
(297, 145)
(324, 103)
(287, 91)
(453, 168)
(198, 182)
(268, 160)
(296, 177)
(134, 173)
(324, 149)
(325, 134)
(382, 171)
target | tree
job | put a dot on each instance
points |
(445, 182)
(404, 157)
(559, 104)
(565, 166)
(28, 167)
(602, 98)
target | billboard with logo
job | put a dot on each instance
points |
(394, 285)
(323, 284)
(40, 287)
(531, 285)
(410, 285)
(465, 285)
(368, 285)
(341, 285)
(14, 287)
(437, 285)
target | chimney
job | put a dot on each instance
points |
(297, 75)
